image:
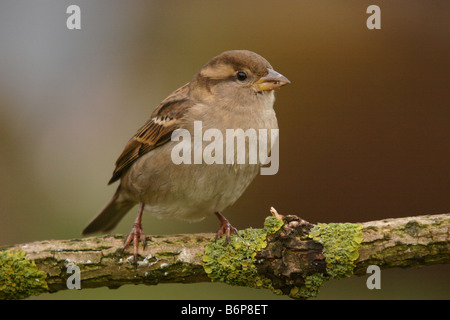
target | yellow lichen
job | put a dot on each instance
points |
(20, 278)
(234, 263)
(341, 242)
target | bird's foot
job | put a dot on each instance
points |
(136, 235)
(225, 228)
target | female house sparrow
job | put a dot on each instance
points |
(234, 90)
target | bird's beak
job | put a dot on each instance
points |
(271, 81)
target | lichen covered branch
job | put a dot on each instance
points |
(405, 242)
(288, 256)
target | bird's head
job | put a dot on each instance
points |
(237, 77)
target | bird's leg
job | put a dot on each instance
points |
(225, 228)
(136, 233)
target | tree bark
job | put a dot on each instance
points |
(292, 259)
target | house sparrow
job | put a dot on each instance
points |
(234, 90)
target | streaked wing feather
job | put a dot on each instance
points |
(155, 132)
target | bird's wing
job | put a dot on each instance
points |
(156, 131)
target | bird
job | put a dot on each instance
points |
(234, 90)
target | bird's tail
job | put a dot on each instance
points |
(110, 215)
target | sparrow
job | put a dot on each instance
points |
(234, 90)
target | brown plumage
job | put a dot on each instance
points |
(155, 132)
(233, 90)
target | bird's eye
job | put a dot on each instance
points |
(241, 76)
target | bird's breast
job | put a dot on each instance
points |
(206, 168)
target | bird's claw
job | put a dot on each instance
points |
(225, 229)
(136, 235)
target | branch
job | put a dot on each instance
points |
(288, 256)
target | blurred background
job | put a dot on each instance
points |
(364, 125)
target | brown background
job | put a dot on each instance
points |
(364, 126)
